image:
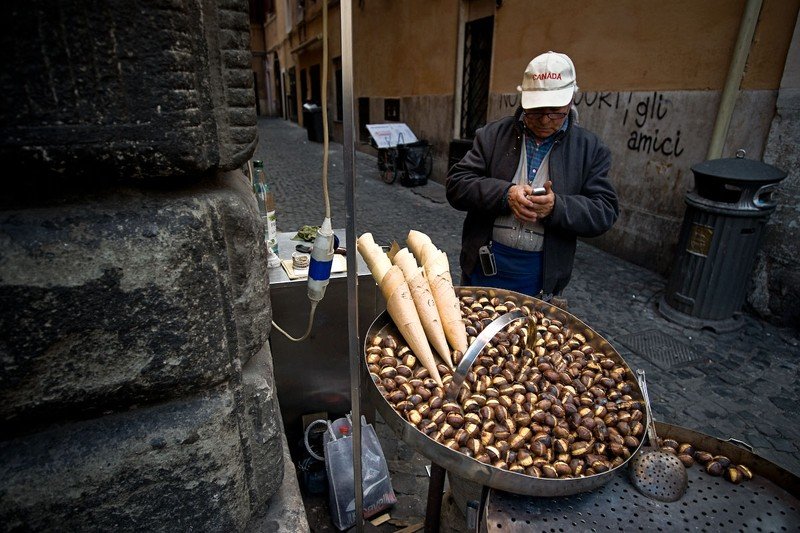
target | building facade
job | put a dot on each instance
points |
(651, 75)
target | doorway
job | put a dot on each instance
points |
(276, 69)
(291, 95)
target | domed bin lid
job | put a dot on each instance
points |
(734, 180)
(739, 169)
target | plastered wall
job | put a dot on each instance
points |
(655, 138)
(642, 45)
(405, 48)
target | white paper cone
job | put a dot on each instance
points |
(437, 270)
(400, 305)
(375, 258)
(425, 304)
(421, 246)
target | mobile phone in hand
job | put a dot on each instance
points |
(539, 191)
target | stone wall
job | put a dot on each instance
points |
(135, 374)
(125, 89)
(777, 282)
(136, 384)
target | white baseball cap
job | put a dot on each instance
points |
(549, 81)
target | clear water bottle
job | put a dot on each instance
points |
(266, 206)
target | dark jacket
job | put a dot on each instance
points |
(585, 206)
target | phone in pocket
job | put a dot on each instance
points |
(488, 263)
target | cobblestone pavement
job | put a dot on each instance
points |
(741, 385)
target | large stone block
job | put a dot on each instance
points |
(179, 466)
(128, 297)
(261, 427)
(125, 89)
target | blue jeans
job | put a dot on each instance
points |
(517, 270)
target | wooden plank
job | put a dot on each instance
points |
(381, 519)
(412, 528)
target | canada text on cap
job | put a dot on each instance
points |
(549, 81)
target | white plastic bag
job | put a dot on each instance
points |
(377, 485)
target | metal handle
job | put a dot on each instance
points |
(651, 423)
(763, 197)
(476, 347)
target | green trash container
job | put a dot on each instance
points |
(721, 233)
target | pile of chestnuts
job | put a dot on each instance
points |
(715, 465)
(539, 400)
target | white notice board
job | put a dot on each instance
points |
(390, 134)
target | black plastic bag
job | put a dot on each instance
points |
(416, 161)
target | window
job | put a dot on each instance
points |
(260, 10)
(363, 118)
(391, 109)
(316, 84)
(289, 7)
(337, 74)
(257, 11)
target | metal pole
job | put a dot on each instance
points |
(349, 153)
(734, 79)
(433, 508)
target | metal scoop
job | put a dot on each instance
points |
(477, 346)
(656, 474)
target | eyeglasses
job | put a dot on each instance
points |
(541, 114)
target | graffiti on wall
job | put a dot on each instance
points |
(509, 101)
(641, 115)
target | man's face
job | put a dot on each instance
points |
(545, 121)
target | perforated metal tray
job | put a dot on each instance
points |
(768, 502)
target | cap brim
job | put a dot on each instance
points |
(558, 98)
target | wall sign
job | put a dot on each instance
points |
(700, 240)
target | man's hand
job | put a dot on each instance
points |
(528, 207)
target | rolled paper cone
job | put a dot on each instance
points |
(421, 246)
(437, 270)
(425, 304)
(374, 257)
(400, 306)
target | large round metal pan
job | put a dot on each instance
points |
(467, 467)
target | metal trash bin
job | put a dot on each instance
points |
(722, 230)
(312, 121)
(458, 149)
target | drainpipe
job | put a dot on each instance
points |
(734, 79)
(459, 82)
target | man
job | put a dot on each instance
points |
(530, 238)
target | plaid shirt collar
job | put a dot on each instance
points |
(536, 152)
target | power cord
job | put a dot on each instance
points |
(308, 330)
